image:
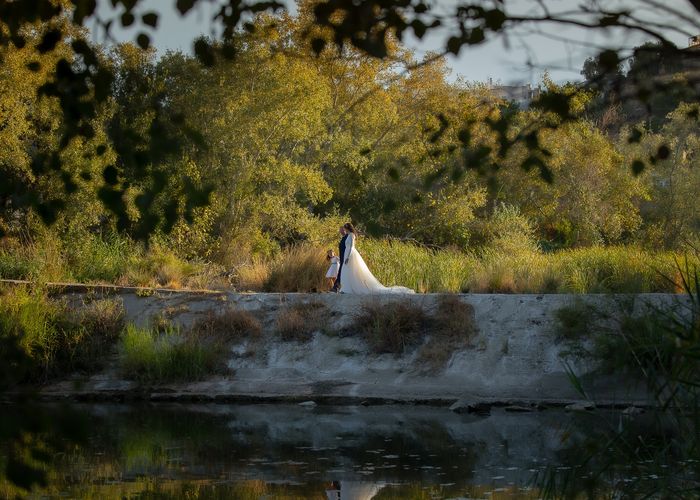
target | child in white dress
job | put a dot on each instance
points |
(332, 272)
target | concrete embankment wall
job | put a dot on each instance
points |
(516, 353)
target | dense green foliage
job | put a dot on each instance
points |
(496, 269)
(224, 167)
(155, 356)
(288, 145)
(53, 338)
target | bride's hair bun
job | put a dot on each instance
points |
(349, 227)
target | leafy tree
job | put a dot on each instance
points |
(261, 117)
(36, 168)
(594, 196)
(368, 25)
(671, 214)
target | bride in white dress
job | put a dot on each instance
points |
(355, 276)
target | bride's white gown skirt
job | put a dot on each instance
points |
(356, 278)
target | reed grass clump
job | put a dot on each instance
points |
(300, 269)
(252, 276)
(617, 269)
(451, 327)
(453, 319)
(229, 325)
(40, 260)
(508, 263)
(391, 327)
(420, 268)
(101, 321)
(43, 337)
(92, 259)
(395, 327)
(161, 267)
(156, 356)
(298, 322)
(16, 262)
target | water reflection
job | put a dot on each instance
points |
(277, 451)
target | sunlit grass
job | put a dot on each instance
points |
(617, 269)
(302, 268)
(53, 338)
(110, 259)
(150, 355)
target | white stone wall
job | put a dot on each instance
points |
(515, 356)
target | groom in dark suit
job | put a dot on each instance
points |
(341, 251)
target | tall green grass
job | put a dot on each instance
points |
(417, 267)
(617, 269)
(100, 259)
(497, 268)
(90, 258)
(151, 355)
(37, 260)
(43, 337)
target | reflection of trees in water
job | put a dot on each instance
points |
(30, 437)
(128, 443)
(160, 449)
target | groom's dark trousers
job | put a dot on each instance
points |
(341, 251)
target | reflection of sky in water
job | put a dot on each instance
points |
(395, 452)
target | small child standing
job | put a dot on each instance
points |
(332, 272)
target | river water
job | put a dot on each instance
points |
(290, 451)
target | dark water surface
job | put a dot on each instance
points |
(289, 451)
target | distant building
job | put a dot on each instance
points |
(521, 94)
(691, 60)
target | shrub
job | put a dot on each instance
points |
(452, 326)
(102, 321)
(639, 342)
(51, 338)
(391, 327)
(96, 259)
(510, 232)
(252, 276)
(300, 321)
(575, 321)
(621, 341)
(454, 319)
(227, 326)
(149, 355)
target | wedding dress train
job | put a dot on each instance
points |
(356, 277)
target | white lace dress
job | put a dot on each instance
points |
(355, 276)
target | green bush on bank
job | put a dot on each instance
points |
(152, 355)
(43, 337)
